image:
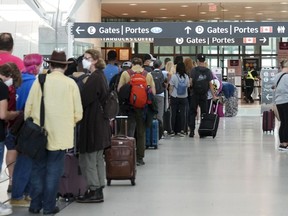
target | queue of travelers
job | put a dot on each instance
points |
(183, 86)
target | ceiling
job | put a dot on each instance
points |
(252, 11)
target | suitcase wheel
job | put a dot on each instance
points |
(108, 182)
(133, 182)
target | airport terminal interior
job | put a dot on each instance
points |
(240, 172)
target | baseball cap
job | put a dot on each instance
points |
(201, 57)
(127, 64)
(149, 57)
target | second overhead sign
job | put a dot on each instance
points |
(179, 29)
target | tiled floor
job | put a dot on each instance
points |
(239, 173)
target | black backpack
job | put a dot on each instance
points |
(79, 80)
(201, 84)
(158, 78)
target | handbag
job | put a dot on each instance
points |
(32, 138)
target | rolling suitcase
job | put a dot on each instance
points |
(152, 135)
(120, 158)
(72, 184)
(268, 121)
(209, 123)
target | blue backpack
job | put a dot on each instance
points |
(181, 87)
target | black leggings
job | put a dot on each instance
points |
(283, 114)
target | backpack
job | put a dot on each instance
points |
(111, 106)
(201, 84)
(158, 78)
(138, 94)
(79, 80)
(181, 87)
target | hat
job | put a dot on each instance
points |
(157, 63)
(201, 57)
(127, 64)
(149, 57)
(58, 57)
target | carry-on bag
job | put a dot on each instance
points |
(72, 183)
(120, 158)
(268, 121)
(152, 135)
(209, 122)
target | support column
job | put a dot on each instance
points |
(89, 11)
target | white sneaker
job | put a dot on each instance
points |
(5, 209)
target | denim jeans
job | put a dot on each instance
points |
(2, 148)
(44, 180)
(21, 177)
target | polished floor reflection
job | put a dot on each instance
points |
(239, 173)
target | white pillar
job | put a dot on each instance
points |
(89, 11)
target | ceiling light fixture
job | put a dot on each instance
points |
(163, 9)
(184, 6)
(259, 13)
(283, 11)
(132, 4)
(284, 3)
(203, 12)
(248, 7)
(143, 11)
(125, 14)
(182, 15)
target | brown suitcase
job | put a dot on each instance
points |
(121, 157)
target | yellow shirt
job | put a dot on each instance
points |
(63, 109)
(125, 78)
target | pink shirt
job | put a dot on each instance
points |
(6, 57)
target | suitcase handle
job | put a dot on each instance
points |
(211, 105)
(126, 125)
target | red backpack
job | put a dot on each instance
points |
(138, 94)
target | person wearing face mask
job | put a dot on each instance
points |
(6, 71)
(6, 49)
(95, 132)
(22, 168)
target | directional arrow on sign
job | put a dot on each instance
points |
(263, 40)
(269, 96)
(188, 29)
(78, 30)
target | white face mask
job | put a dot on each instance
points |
(9, 82)
(86, 64)
(151, 64)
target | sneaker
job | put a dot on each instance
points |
(283, 148)
(28, 198)
(191, 134)
(5, 209)
(140, 162)
(91, 196)
(55, 211)
(20, 203)
(181, 135)
(172, 134)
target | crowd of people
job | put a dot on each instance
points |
(184, 87)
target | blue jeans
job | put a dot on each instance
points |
(1, 154)
(44, 180)
(21, 176)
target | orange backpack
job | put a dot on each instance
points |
(138, 94)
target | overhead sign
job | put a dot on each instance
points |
(196, 41)
(179, 29)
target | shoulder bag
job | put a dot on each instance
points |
(32, 138)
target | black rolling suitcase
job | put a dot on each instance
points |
(268, 121)
(209, 122)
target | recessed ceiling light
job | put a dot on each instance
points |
(237, 16)
(224, 10)
(143, 11)
(269, 19)
(184, 6)
(202, 20)
(259, 13)
(284, 3)
(163, 9)
(163, 17)
(125, 14)
(133, 4)
(248, 7)
(217, 18)
(182, 15)
(283, 11)
(203, 12)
